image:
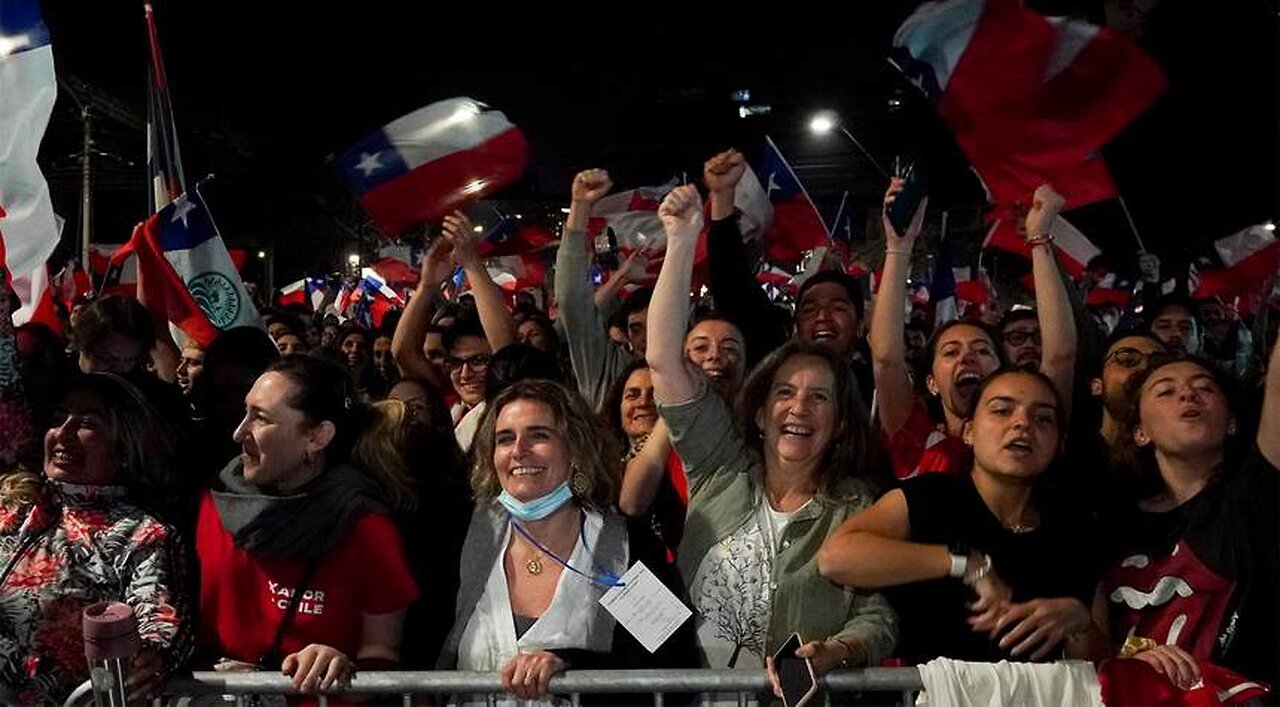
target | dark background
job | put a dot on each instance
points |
(264, 92)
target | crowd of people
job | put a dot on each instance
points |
(459, 489)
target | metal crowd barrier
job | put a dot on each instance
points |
(237, 687)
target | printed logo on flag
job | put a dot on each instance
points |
(217, 297)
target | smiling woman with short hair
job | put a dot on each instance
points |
(544, 544)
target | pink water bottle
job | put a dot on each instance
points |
(110, 643)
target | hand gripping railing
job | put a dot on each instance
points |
(574, 684)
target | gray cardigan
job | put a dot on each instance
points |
(597, 362)
(484, 545)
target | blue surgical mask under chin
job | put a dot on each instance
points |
(538, 508)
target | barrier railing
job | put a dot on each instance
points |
(902, 682)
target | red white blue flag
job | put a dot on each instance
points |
(436, 159)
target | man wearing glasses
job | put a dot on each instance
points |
(1020, 337)
(466, 360)
(1126, 356)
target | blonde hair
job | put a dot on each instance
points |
(20, 487)
(594, 451)
(379, 450)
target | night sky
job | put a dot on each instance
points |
(263, 92)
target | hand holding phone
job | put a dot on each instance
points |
(792, 676)
(903, 208)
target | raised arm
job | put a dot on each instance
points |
(643, 475)
(583, 325)
(411, 331)
(631, 270)
(1269, 425)
(681, 214)
(738, 296)
(499, 325)
(1053, 305)
(894, 395)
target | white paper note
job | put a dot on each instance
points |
(645, 607)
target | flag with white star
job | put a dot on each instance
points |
(436, 159)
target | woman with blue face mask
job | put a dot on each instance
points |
(544, 545)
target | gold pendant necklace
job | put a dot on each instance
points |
(533, 566)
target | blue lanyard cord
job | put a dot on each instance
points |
(604, 579)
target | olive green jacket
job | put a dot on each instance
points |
(725, 491)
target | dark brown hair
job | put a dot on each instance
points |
(853, 451)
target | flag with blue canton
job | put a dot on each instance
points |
(21, 27)
(797, 226)
(193, 246)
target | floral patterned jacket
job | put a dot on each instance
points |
(76, 546)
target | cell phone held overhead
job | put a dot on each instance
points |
(795, 675)
(914, 189)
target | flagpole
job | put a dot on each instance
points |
(1142, 248)
(839, 212)
(866, 154)
(799, 183)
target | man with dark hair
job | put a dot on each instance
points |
(466, 360)
(1173, 321)
(829, 309)
(636, 311)
(1126, 355)
(1020, 338)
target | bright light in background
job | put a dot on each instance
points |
(474, 186)
(564, 209)
(262, 254)
(354, 258)
(1270, 226)
(478, 229)
(822, 123)
(519, 216)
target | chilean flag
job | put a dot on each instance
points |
(511, 237)
(123, 281)
(29, 230)
(1073, 248)
(1237, 264)
(797, 226)
(1031, 100)
(307, 292)
(436, 159)
(188, 277)
(517, 272)
(633, 216)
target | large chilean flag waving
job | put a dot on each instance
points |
(422, 166)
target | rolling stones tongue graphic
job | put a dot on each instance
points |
(1174, 599)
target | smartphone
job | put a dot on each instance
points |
(904, 206)
(606, 248)
(795, 675)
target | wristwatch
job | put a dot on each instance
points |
(959, 558)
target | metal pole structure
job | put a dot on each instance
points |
(864, 152)
(86, 191)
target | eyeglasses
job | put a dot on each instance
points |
(477, 362)
(1132, 358)
(1018, 338)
